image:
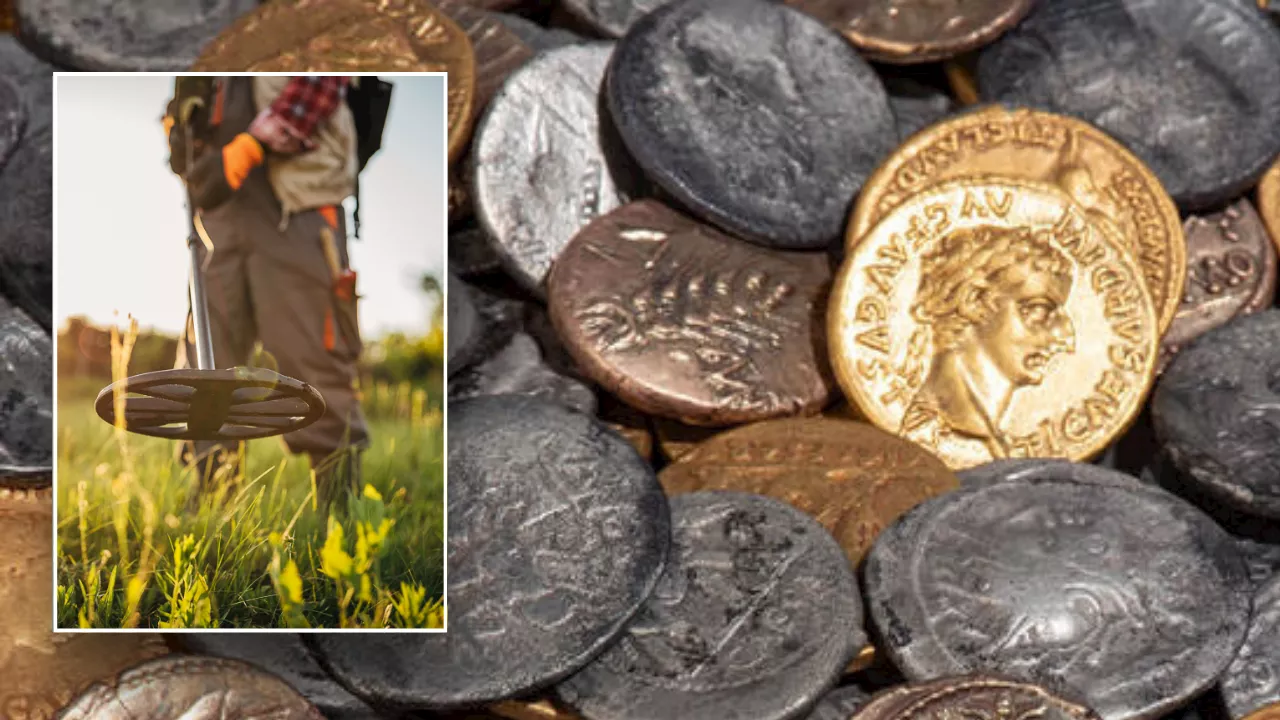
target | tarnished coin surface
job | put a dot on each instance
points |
(360, 36)
(756, 117)
(188, 687)
(1191, 86)
(611, 18)
(1269, 202)
(125, 35)
(498, 51)
(540, 167)
(1231, 271)
(990, 318)
(1217, 413)
(1114, 186)
(13, 118)
(1252, 681)
(518, 368)
(536, 36)
(465, 324)
(26, 383)
(917, 31)
(916, 105)
(42, 671)
(853, 478)
(1111, 591)
(558, 531)
(285, 656)
(755, 616)
(1031, 469)
(679, 320)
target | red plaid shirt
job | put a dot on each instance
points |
(288, 124)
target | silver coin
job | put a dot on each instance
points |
(540, 169)
(188, 687)
(464, 322)
(1099, 588)
(755, 617)
(558, 531)
(1252, 681)
(518, 368)
(839, 704)
(1028, 469)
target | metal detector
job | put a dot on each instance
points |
(205, 403)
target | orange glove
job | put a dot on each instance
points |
(217, 175)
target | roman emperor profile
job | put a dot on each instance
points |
(990, 317)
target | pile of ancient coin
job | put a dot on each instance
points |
(784, 384)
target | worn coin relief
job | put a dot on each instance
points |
(972, 304)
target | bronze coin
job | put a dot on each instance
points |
(1270, 712)
(1269, 202)
(541, 709)
(853, 478)
(1231, 271)
(359, 36)
(40, 670)
(675, 439)
(192, 686)
(681, 321)
(972, 696)
(917, 31)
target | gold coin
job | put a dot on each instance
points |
(1112, 184)
(359, 36)
(853, 478)
(40, 670)
(962, 83)
(990, 318)
(1269, 202)
(531, 710)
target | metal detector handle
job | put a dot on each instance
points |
(203, 336)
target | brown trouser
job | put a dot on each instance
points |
(271, 285)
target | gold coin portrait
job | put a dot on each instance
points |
(357, 36)
(1269, 202)
(990, 318)
(1104, 178)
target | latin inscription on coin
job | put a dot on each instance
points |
(1118, 593)
(40, 670)
(991, 319)
(1100, 175)
(296, 36)
(755, 616)
(682, 321)
(1231, 270)
(1217, 413)
(1252, 682)
(853, 478)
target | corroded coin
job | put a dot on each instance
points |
(1217, 413)
(1192, 87)
(839, 704)
(558, 532)
(465, 325)
(188, 686)
(519, 368)
(976, 696)
(125, 35)
(359, 36)
(1033, 469)
(1112, 591)
(1231, 271)
(1269, 202)
(991, 318)
(853, 478)
(917, 31)
(26, 383)
(540, 166)
(285, 656)
(41, 670)
(755, 616)
(752, 115)
(682, 321)
(1252, 681)
(1113, 185)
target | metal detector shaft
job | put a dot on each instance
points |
(202, 336)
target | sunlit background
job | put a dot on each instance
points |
(121, 222)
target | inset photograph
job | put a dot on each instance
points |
(249, 299)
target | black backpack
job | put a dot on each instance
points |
(369, 99)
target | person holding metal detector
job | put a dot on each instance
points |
(267, 162)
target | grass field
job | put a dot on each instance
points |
(260, 556)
